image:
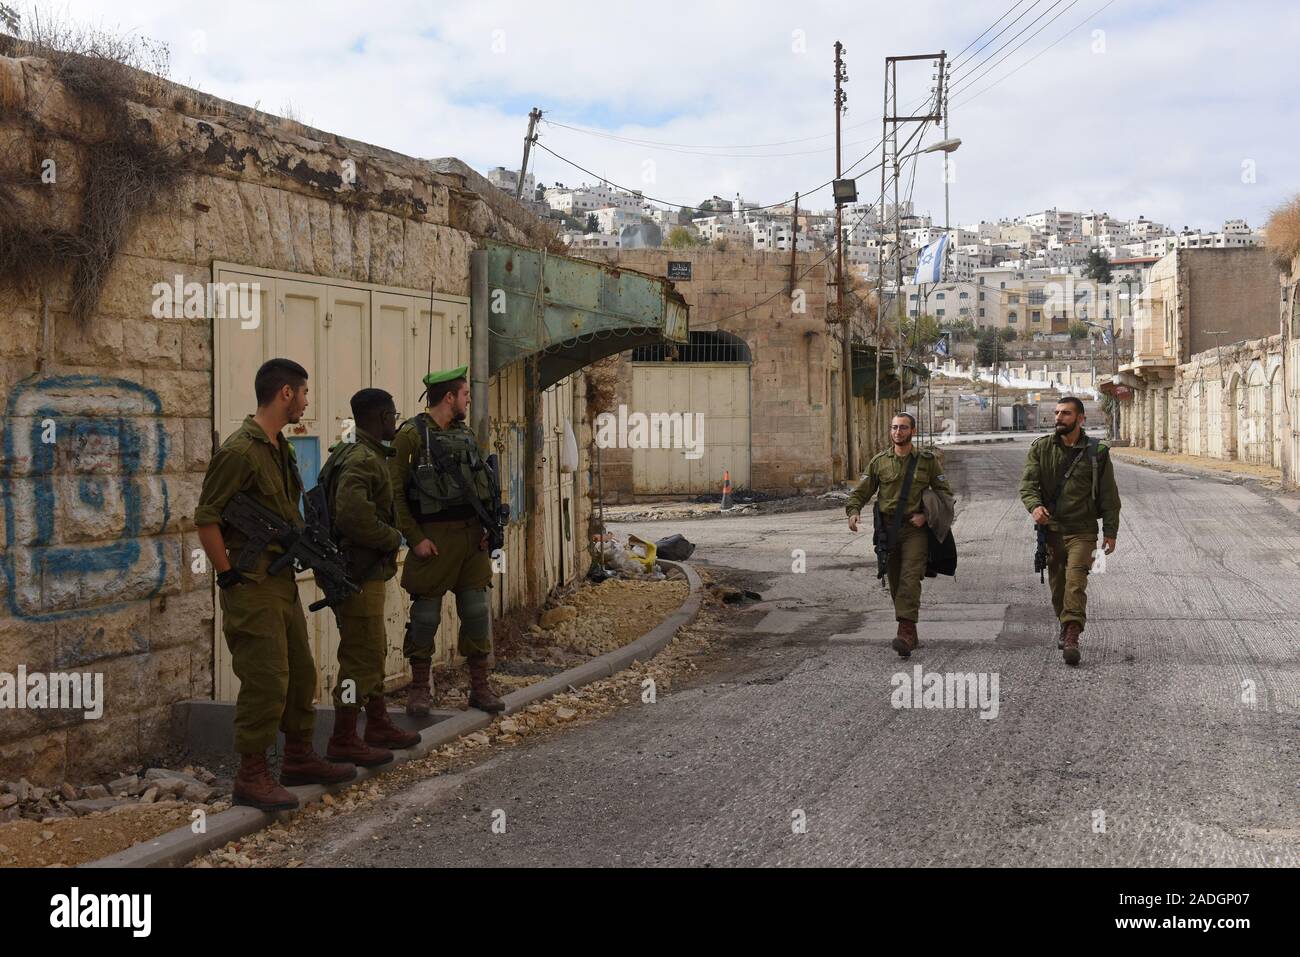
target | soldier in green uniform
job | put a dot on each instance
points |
(360, 495)
(261, 615)
(1074, 474)
(907, 559)
(448, 542)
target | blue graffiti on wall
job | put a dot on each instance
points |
(81, 449)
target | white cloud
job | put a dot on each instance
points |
(1158, 124)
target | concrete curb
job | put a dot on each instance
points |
(178, 847)
(945, 445)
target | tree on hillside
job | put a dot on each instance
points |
(1098, 267)
(679, 237)
(593, 224)
(1078, 330)
(987, 346)
(962, 330)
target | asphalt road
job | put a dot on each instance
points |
(1146, 754)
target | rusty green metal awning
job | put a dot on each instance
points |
(572, 312)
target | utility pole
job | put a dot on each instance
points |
(794, 243)
(846, 327)
(997, 347)
(943, 87)
(533, 116)
(890, 123)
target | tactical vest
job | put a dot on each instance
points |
(430, 490)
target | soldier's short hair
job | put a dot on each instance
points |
(1071, 400)
(436, 392)
(274, 375)
(906, 415)
(369, 400)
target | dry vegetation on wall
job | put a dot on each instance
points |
(1282, 233)
(602, 386)
(124, 171)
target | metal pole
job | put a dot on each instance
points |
(947, 228)
(880, 253)
(533, 116)
(794, 244)
(846, 360)
(478, 359)
(898, 246)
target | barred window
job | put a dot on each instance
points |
(714, 346)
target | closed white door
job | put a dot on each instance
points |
(695, 428)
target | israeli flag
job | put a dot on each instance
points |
(941, 347)
(929, 265)
(1105, 336)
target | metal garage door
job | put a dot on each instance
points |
(720, 393)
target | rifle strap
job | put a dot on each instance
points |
(1067, 469)
(896, 523)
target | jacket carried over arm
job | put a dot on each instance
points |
(885, 475)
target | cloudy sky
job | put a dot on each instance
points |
(1184, 111)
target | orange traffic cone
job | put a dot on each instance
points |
(726, 488)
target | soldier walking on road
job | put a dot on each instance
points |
(362, 515)
(440, 521)
(1068, 484)
(889, 473)
(261, 616)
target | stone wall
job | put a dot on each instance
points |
(746, 293)
(108, 424)
(1250, 417)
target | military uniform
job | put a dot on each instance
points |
(885, 475)
(1089, 495)
(262, 620)
(364, 519)
(431, 504)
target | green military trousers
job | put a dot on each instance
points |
(460, 567)
(266, 633)
(907, 568)
(362, 647)
(1069, 559)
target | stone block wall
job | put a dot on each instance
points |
(107, 423)
(746, 293)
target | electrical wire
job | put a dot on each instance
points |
(993, 38)
(978, 38)
(970, 78)
(702, 151)
(1081, 23)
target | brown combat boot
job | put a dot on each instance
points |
(906, 640)
(1060, 638)
(480, 692)
(302, 765)
(417, 695)
(346, 747)
(254, 786)
(1070, 643)
(380, 729)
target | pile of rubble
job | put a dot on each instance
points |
(22, 800)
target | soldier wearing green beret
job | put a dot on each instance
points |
(364, 520)
(261, 616)
(448, 543)
(1068, 486)
(886, 475)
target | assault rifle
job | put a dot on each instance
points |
(494, 521)
(309, 547)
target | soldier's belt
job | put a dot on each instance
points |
(451, 522)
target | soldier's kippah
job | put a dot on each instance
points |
(446, 375)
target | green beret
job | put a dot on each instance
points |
(446, 375)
